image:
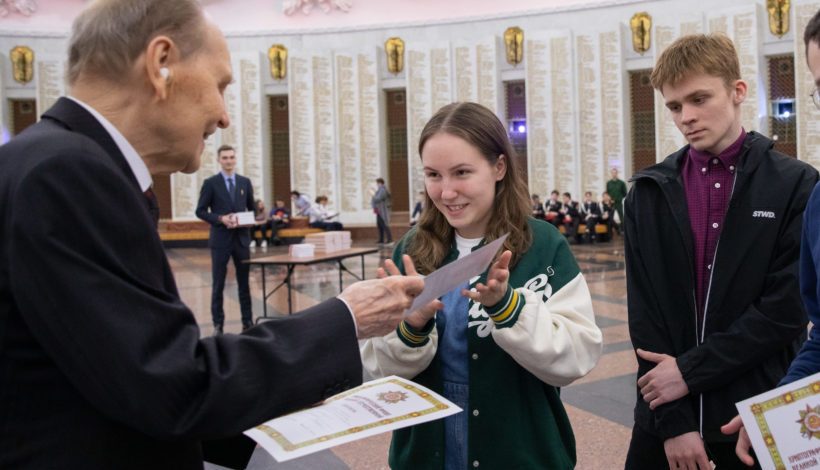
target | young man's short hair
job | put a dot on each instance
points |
(223, 148)
(710, 54)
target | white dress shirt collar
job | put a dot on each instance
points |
(131, 156)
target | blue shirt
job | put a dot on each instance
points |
(227, 179)
(451, 323)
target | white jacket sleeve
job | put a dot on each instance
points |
(557, 340)
(388, 355)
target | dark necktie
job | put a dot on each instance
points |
(153, 205)
(231, 189)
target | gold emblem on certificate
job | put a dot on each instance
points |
(810, 422)
(392, 397)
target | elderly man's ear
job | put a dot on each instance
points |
(160, 56)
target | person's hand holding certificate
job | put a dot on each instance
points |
(372, 408)
(783, 424)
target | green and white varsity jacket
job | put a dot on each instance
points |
(541, 336)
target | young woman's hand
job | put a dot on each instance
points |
(492, 293)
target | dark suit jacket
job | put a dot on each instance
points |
(101, 364)
(592, 209)
(214, 201)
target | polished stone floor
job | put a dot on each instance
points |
(599, 405)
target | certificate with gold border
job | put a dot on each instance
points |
(784, 425)
(372, 408)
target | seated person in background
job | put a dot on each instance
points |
(570, 218)
(607, 215)
(301, 203)
(552, 209)
(279, 217)
(537, 208)
(414, 217)
(590, 214)
(320, 215)
(262, 224)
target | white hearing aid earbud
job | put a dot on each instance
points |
(164, 72)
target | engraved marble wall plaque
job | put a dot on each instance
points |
(301, 118)
(233, 105)
(466, 77)
(419, 110)
(551, 113)
(441, 93)
(323, 139)
(668, 138)
(563, 109)
(185, 188)
(488, 78)
(541, 168)
(49, 73)
(371, 162)
(612, 103)
(250, 104)
(741, 26)
(590, 133)
(349, 127)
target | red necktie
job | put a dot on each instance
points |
(153, 206)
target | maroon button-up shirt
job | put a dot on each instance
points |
(708, 181)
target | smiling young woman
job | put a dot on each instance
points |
(501, 345)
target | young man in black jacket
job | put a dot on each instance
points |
(712, 238)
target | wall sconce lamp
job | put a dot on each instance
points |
(778, 16)
(641, 25)
(22, 64)
(394, 48)
(514, 43)
(278, 56)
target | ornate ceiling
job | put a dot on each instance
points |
(293, 16)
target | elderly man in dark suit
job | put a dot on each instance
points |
(221, 197)
(101, 364)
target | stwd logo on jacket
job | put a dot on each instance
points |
(763, 214)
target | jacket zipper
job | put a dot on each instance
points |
(708, 292)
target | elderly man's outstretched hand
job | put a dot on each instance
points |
(379, 304)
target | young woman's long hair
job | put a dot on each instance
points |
(479, 127)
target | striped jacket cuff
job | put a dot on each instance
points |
(413, 337)
(506, 312)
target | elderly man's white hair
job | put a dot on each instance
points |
(109, 35)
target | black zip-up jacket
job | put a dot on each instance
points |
(754, 319)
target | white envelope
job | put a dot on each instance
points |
(458, 272)
(245, 218)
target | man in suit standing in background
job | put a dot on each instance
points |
(222, 196)
(101, 363)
